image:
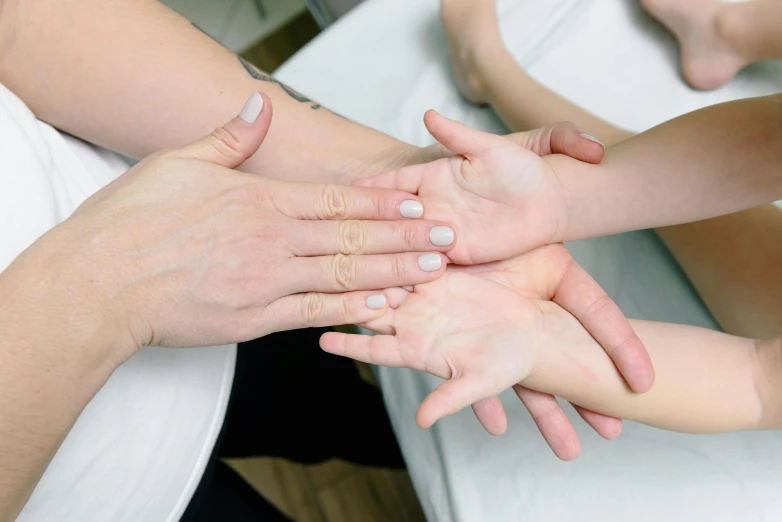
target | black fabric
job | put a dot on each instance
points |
(223, 495)
(291, 400)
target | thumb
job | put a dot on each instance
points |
(235, 142)
(560, 138)
(459, 138)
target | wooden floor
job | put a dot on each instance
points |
(335, 491)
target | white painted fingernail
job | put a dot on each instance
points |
(411, 209)
(430, 262)
(252, 108)
(441, 236)
(592, 138)
(376, 302)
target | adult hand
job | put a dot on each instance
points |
(482, 327)
(183, 251)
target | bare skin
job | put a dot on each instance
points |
(708, 58)
(716, 39)
(486, 327)
(735, 247)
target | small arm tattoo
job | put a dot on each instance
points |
(258, 75)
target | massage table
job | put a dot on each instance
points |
(384, 65)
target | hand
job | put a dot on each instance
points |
(482, 326)
(503, 200)
(183, 251)
(500, 196)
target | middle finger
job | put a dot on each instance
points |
(320, 238)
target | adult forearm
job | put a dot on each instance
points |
(56, 354)
(135, 77)
(707, 163)
(706, 381)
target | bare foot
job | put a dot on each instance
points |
(708, 59)
(471, 27)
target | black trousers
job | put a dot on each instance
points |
(292, 400)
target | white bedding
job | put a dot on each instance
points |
(384, 65)
(139, 448)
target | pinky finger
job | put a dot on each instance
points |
(450, 397)
(491, 415)
(317, 309)
(605, 426)
(552, 422)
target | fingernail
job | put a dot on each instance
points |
(411, 209)
(376, 302)
(592, 138)
(252, 108)
(441, 236)
(430, 262)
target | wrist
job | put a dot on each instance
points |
(395, 156)
(562, 199)
(558, 331)
(579, 214)
(51, 298)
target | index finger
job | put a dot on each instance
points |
(339, 202)
(580, 295)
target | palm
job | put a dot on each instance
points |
(479, 327)
(499, 194)
(501, 203)
(465, 326)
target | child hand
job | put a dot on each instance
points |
(482, 327)
(502, 199)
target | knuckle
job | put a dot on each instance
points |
(226, 143)
(598, 305)
(345, 308)
(313, 307)
(385, 206)
(343, 269)
(399, 268)
(411, 236)
(334, 202)
(352, 237)
(624, 341)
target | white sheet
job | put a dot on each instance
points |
(384, 65)
(139, 449)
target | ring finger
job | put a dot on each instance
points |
(340, 273)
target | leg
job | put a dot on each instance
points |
(753, 28)
(486, 73)
(733, 262)
(718, 39)
(739, 248)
